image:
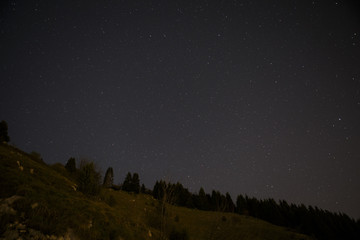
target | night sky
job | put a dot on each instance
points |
(247, 97)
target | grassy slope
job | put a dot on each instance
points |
(113, 213)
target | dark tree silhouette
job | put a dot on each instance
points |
(126, 186)
(158, 190)
(131, 183)
(241, 205)
(71, 165)
(4, 137)
(109, 177)
(230, 207)
(89, 179)
(308, 220)
(135, 183)
(143, 189)
(165, 192)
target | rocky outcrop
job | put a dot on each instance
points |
(6, 205)
(19, 231)
(16, 230)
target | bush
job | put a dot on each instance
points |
(5, 218)
(36, 157)
(111, 201)
(116, 187)
(177, 235)
(40, 216)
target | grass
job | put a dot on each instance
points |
(112, 214)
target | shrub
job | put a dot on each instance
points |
(36, 157)
(177, 235)
(111, 201)
(5, 218)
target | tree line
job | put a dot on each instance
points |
(321, 224)
(312, 221)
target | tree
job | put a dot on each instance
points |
(158, 190)
(230, 207)
(216, 201)
(71, 165)
(131, 183)
(143, 189)
(165, 193)
(135, 184)
(4, 137)
(203, 203)
(109, 177)
(127, 183)
(181, 195)
(241, 205)
(89, 179)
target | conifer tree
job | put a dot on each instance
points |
(109, 177)
(131, 183)
(135, 184)
(230, 207)
(241, 205)
(71, 165)
(203, 204)
(143, 189)
(127, 183)
(4, 137)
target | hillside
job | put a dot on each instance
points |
(41, 202)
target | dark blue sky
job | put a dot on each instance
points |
(248, 97)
